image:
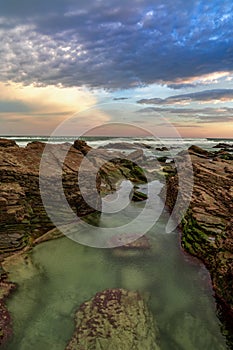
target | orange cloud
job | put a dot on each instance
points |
(46, 107)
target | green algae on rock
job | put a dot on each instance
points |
(207, 227)
(114, 319)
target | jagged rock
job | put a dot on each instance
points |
(208, 224)
(224, 146)
(139, 196)
(137, 156)
(114, 319)
(82, 146)
(23, 217)
(22, 214)
(169, 169)
(7, 143)
(198, 151)
(162, 149)
(223, 155)
(119, 145)
(162, 159)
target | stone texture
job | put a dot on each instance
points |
(5, 320)
(207, 227)
(7, 143)
(22, 215)
(114, 319)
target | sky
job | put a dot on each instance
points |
(144, 62)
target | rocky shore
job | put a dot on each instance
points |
(22, 215)
(23, 219)
(207, 228)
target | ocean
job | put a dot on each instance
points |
(97, 141)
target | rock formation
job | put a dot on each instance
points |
(5, 321)
(22, 215)
(114, 319)
(207, 228)
(23, 218)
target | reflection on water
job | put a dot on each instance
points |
(62, 274)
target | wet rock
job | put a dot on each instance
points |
(139, 196)
(5, 320)
(162, 149)
(23, 217)
(198, 151)
(169, 169)
(225, 146)
(114, 319)
(119, 145)
(137, 156)
(22, 213)
(142, 145)
(224, 155)
(82, 146)
(162, 159)
(7, 143)
(208, 223)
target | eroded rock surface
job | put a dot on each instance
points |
(114, 319)
(23, 217)
(22, 214)
(5, 320)
(207, 228)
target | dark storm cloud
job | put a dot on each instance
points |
(201, 96)
(113, 44)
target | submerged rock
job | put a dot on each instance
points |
(136, 248)
(189, 332)
(114, 319)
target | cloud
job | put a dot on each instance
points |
(187, 111)
(206, 96)
(190, 115)
(39, 109)
(13, 107)
(115, 45)
(120, 98)
(206, 79)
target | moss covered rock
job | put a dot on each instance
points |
(114, 319)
